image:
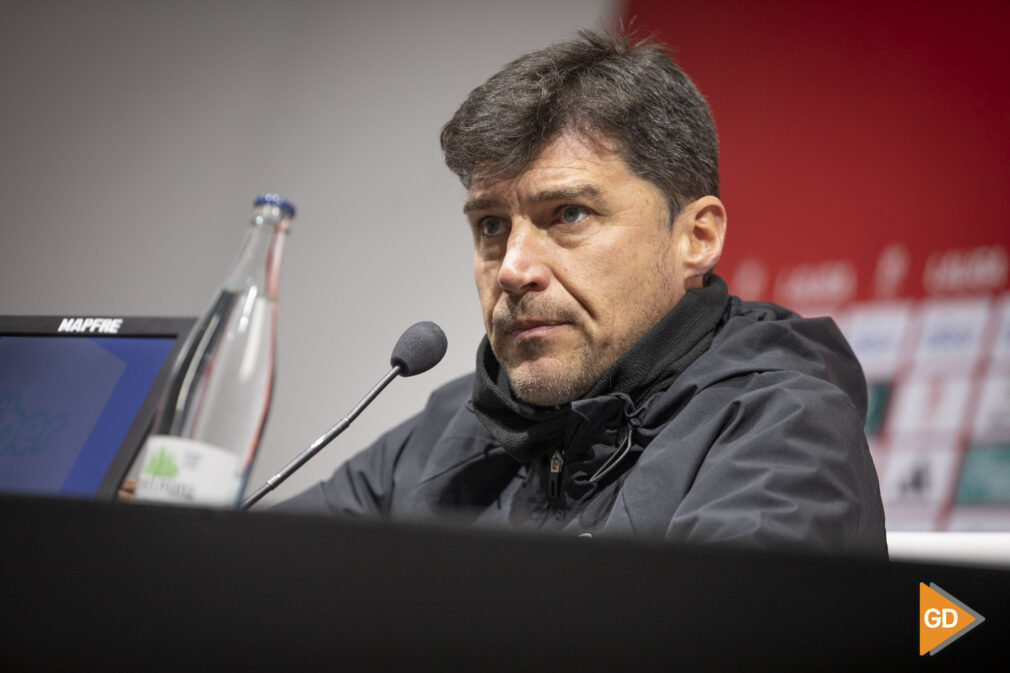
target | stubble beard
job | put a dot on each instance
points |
(544, 373)
(550, 380)
(548, 375)
(541, 372)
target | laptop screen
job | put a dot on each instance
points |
(77, 396)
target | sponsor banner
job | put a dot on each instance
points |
(1001, 341)
(877, 333)
(920, 472)
(985, 476)
(992, 418)
(951, 334)
(931, 403)
(906, 244)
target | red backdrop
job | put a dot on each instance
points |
(849, 127)
(866, 173)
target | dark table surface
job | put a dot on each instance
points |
(103, 586)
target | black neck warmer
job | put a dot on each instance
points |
(527, 430)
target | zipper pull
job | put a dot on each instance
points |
(554, 478)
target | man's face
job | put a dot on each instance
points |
(574, 261)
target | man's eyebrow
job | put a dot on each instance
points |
(481, 203)
(566, 193)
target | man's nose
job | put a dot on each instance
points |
(524, 267)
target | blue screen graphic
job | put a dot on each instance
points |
(66, 404)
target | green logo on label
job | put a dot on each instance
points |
(161, 465)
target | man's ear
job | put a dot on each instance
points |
(701, 229)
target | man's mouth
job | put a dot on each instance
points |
(524, 329)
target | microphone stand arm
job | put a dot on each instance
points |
(328, 437)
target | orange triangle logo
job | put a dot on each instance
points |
(942, 619)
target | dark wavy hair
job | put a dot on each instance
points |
(627, 96)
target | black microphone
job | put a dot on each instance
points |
(418, 349)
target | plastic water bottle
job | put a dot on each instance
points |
(212, 414)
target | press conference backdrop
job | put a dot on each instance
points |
(865, 161)
(866, 164)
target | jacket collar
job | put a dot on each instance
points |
(527, 431)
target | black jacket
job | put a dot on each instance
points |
(759, 442)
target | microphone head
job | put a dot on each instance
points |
(419, 348)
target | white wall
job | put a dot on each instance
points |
(134, 135)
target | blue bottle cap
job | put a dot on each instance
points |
(275, 200)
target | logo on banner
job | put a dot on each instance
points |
(981, 269)
(91, 325)
(892, 267)
(830, 283)
(942, 619)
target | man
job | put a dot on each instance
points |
(620, 389)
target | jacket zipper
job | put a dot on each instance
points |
(554, 476)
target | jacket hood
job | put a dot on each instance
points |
(604, 436)
(761, 337)
(753, 338)
(528, 431)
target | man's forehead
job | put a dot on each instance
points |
(569, 166)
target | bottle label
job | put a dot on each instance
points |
(185, 471)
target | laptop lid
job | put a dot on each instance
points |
(77, 397)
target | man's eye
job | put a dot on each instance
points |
(573, 214)
(492, 226)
